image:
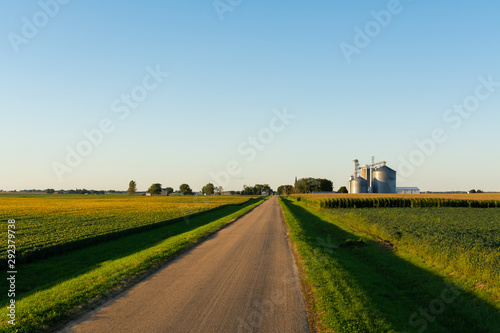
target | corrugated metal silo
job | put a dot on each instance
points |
(384, 180)
(358, 185)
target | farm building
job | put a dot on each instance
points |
(407, 190)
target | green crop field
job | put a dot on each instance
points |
(387, 269)
(48, 224)
(465, 241)
(52, 289)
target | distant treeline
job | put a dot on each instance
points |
(310, 185)
(258, 189)
(401, 202)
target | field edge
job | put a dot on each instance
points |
(90, 304)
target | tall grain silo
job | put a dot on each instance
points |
(384, 180)
(358, 185)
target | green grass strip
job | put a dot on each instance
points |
(64, 286)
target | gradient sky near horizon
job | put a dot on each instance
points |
(227, 79)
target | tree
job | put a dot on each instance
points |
(185, 189)
(256, 190)
(325, 185)
(132, 187)
(472, 191)
(285, 190)
(169, 190)
(219, 190)
(246, 190)
(208, 189)
(50, 191)
(302, 186)
(266, 188)
(343, 189)
(155, 188)
(307, 185)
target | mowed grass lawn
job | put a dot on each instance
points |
(53, 290)
(357, 281)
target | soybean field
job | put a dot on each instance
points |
(54, 224)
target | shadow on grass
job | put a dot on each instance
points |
(46, 273)
(407, 297)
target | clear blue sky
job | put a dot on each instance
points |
(227, 77)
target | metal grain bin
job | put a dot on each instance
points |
(384, 180)
(358, 185)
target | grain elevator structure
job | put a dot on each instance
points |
(372, 178)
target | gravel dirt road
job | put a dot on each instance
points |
(242, 279)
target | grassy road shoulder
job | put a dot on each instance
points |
(357, 285)
(57, 289)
